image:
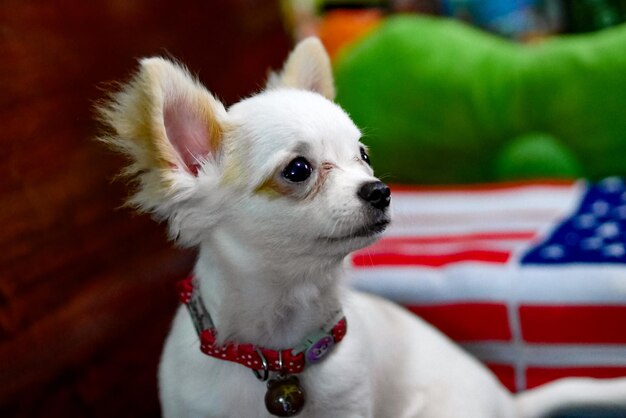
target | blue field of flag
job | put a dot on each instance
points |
(595, 233)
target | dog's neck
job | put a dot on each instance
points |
(266, 299)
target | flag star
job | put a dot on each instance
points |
(600, 208)
(612, 184)
(585, 221)
(591, 243)
(608, 230)
(614, 250)
(553, 252)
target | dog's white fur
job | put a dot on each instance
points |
(271, 253)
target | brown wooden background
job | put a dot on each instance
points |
(86, 290)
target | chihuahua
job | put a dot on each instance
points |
(275, 192)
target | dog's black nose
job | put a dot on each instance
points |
(376, 193)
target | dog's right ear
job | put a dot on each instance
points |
(170, 126)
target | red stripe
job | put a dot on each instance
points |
(481, 187)
(468, 321)
(573, 323)
(536, 376)
(505, 373)
(367, 259)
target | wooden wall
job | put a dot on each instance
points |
(86, 288)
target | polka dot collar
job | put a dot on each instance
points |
(313, 349)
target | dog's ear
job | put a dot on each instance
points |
(308, 67)
(170, 126)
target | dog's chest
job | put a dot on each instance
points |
(227, 392)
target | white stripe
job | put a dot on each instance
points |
(528, 198)
(475, 281)
(553, 355)
(471, 281)
(578, 283)
(487, 224)
(517, 342)
(527, 208)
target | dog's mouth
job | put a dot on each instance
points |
(362, 232)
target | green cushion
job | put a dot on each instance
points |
(442, 102)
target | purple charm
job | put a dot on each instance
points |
(318, 349)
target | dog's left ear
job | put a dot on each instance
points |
(308, 67)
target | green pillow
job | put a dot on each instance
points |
(442, 102)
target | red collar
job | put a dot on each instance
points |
(312, 350)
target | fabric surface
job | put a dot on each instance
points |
(529, 277)
(442, 102)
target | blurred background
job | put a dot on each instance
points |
(87, 287)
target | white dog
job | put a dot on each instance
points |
(275, 192)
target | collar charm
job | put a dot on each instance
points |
(285, 396)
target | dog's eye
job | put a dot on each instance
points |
(298, 170)
(365, 157)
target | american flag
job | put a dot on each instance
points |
(529, 277)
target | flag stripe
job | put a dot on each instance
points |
(431, 260)
(505, 373)
(576, 284)
(549, 355)
(419, 226)
(468, 321)
(573, 323)
(573, 285)
(522, 200)
(536, 376)
(549, 362)
(522, 209)
(470, 281)
(446, 218)
(455, 238)
(484, 187)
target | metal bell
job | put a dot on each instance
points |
(284, 397)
